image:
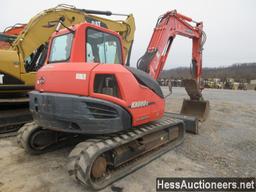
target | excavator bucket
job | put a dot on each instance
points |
(196, 106)
(199, 109)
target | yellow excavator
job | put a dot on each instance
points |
(19, 63)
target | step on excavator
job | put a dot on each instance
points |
(29, 43)
(85, 88)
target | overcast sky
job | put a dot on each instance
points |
(230, 25)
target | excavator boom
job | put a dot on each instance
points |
(168, 26)
(41, 26)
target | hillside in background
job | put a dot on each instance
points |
(241, 71)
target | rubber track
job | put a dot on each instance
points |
(23, 131)
(83, 155)
(26, 130)
(23, 135)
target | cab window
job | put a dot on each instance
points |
(102, 48)
(61, 48)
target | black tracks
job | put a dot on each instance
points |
(84, 154)
(82, 157)
(26, 133)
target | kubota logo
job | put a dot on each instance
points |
(41, 81)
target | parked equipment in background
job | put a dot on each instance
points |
(230, 84)
(243, 85)
(213, 83)
(85, 88)
(29, 44)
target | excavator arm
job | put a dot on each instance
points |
(41, 26)
(168, 26)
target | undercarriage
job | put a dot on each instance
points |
(99, 160)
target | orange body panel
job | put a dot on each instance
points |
(4, 45)
(61, 78)
(15, 30)
(130, 91)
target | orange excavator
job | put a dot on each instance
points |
(15, 29)
(9, 35)
(85, 89)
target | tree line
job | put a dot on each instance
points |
(240, 72)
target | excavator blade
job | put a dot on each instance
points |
(198, 109)
(196, 106)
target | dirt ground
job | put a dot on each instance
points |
(225, 146)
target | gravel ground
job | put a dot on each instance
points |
(225, 146)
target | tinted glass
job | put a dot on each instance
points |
(61, 48)
(102, 48)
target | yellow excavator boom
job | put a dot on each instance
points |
(41, 26)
